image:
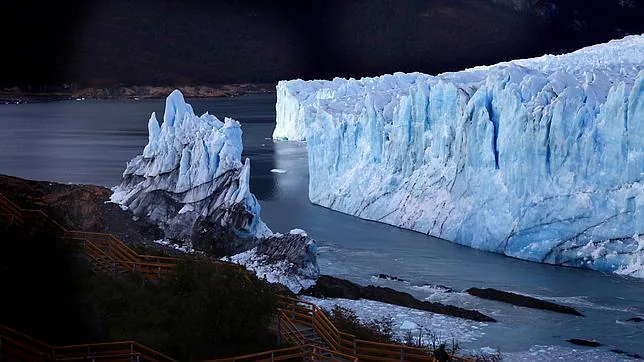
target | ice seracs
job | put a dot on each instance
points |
(190, 176)
(540, 159)
(191, 181)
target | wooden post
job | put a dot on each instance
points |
(279, 330)
(402, 355)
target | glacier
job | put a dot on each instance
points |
(190, 181)
(540, 159)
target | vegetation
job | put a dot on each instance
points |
(379, 330)
(197, 312)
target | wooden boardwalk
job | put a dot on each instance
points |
(302, 324)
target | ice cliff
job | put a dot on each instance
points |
(191, 173)
(191, 181)
(540, 159)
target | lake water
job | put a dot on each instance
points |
(90, 142)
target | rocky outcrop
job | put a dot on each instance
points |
(81, 207)
(331, 287)
(584, 342)
(521, 300)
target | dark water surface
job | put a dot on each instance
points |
(91, 141)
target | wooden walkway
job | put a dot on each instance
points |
(301, 324)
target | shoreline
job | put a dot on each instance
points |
(137, 92)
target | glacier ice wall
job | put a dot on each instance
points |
(540, 159)
(190, 177)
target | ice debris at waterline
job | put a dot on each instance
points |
(540, 159)
(190, 180)
(191, 173)
(281, 259)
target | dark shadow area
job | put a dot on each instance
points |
(154, 43)
(197, 312)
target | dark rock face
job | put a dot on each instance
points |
(162, 207)
(632, 355)
(390, 277)
(521, 300)
(80, 207)
(584, 342)
(330, 287)
(635, 319)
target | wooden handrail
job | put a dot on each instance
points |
(290, 351)
(108, 252)
(10, 208)
(98, 350)
(113, 250)
(340, 341)
(10, 332)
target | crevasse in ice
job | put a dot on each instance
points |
(540, 159)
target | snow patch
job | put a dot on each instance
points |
(444, 327)
(185, 248)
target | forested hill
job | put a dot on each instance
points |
(156, 42)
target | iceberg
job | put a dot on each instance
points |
(191, 178)
(191, 181)
(540, 159)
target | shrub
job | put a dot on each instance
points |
(379, 330)
(198, 311)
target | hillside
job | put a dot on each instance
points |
(196, 42)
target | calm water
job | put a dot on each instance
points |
(90, 142)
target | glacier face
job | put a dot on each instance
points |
(190, 176)
(540, 159)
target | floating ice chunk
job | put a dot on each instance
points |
(408, 325)
(298, 232)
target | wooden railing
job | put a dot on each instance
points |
(25, 348)
(108, 351)
(10, 211)
(309, 353)
(108, 254)
(307, 313)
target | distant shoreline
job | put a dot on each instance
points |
(18, 96)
